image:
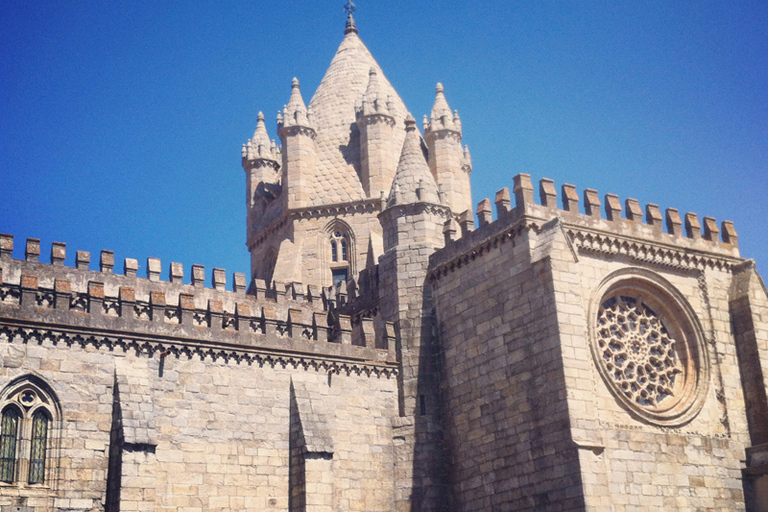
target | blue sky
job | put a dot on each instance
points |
(121, 122)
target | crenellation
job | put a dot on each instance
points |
(674, 223)
(6, 246)
(58, 253)
(62, 289)
(548, 193)
(711, 231)
(617, 234)
(82, 260)
(187, 308)
(729, 234)
(280, 291)
(633, 211)
(653, 218)
(467, 222)
(570, 198)
(341, 330)
(238, 283)
(591, 203)
(219, 279)
(523, 190)
(297, 291)
(484, 212)
(215, 314)
(450, 228)
(107, 261)
(503, 202)
(32, 250)
(198, 276)
(692, 226)
(154, 268)
(612, 208)
(259, 289)
(176, 273)
(130, 267)
(95, 298)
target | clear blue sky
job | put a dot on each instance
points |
(121, 122)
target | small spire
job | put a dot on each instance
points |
(441, 116)
(295, 112)
(260, 145)
(349, 8)
(413, 182)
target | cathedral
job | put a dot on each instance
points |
(396, 347)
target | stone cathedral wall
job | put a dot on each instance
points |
(543, 411)
(174, 396)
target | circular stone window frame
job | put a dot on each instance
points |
(682, 324)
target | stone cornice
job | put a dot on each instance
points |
(594, 241)
(257, 163)
(443, 133)
(290, 131)
(369, 119)
(584, 239)
(316, 211)
(16, 330)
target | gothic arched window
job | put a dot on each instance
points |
(340, 245)
(28, 412)
(39, 447)
(9, 435)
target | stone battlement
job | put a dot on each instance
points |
(640, 233)
(285, 319)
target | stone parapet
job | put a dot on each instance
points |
(284, 323)
(683, 244)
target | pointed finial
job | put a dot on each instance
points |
(410, 123)
(260, 117)
(295, 83)
(439, 88)
(349, 8)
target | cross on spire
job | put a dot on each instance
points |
(349, 8)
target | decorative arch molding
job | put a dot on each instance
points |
(30, 446)
(649, 347)
(337, 248)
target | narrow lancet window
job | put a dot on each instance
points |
(39, 446)
(9, 429)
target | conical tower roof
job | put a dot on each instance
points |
(413, 181)
(333, 106)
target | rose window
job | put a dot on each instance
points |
(648, 347)
(637, 351)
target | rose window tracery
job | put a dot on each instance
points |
(648, 346)
(637, 351)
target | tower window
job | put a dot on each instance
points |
(9, 431)
(39, 445)
(341, 251)
(26, 432)
(339, 244)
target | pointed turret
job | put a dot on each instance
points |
(413, 181)
(410, 215)
(446, 156)
(260, 163)
(297, 133)
(376, 125)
